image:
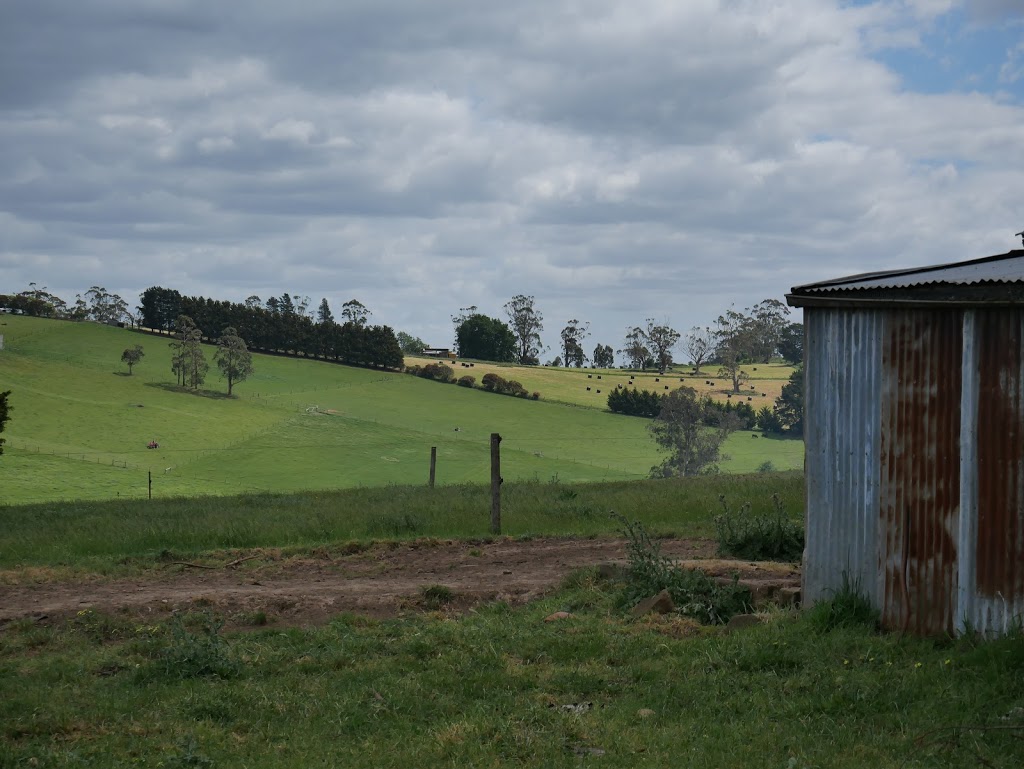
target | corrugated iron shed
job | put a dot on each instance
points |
(915, 443)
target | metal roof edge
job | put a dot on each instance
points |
(838, 283)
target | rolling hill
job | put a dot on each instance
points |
(80, 425)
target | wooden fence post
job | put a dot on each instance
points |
(150, 473)
(495, 483)
(433, 464)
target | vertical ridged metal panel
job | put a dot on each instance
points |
(843, 391)
(919, 493)
(991, 594)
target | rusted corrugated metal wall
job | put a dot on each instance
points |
(991, 572)
(920, 469)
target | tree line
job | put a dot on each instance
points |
(279, 325)
(757, 334)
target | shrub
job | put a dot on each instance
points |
(493, 382)
(535, 395)
(438, 371)
(467, 381)
(514, 388)
(637, 403)
(694, 593)
(437, 596)
(771, 537)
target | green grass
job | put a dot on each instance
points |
(498, 687)
(102, 535)
(80, 425)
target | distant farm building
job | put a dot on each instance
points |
(914, 429)
(438, 352)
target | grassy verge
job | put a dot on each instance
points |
(100, 536)
(501, 687)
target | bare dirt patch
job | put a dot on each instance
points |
(382, 581)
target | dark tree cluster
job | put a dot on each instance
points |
(483, 338)
(280, 326)
(5, 414)
(636, 403)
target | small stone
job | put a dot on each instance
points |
(661, 603)
(557, 616)
(644, 713)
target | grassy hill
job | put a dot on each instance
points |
(80, 425)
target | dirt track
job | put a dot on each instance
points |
(382, 581)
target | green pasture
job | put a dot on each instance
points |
(113, 534)
(80, 426)
(500, 687)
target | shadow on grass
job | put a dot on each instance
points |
(214, 394)
(120, 373)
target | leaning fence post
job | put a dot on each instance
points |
(433, 464)
(495, 483)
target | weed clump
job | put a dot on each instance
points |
(694, 593)
(200, 654)
(396, 525)
(437, 596)
(849, 607)
(770, 537)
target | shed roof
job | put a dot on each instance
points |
(992, 280)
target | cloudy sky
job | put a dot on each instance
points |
(616, 160)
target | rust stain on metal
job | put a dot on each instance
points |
(920, 473)
(999, 557)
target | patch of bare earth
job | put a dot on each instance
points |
(382, 581)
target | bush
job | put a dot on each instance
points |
(204, 653)
(637, 403)
(771, 537)
(493, 382)
(514, 388)
(694, 593)
(535, 395)
(438, 371)
(467, 381)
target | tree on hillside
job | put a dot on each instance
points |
(572, 343)
(187, 359)
(699, 346)
(791, 345)
(104, 306)
(233, 358)
(160, 308)
(526, 323)
(5, 414)
(604, 356)
(323, 312)
(789, 406)
(660, 338)
(768, 322)
(484, 338)
(131, 356)
(459, 318)
(635, 349)
(680, 428)
(733, 338)
(354, 311)
(411, 345)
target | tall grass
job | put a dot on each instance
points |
(102, 532)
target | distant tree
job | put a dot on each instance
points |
(323, 312)
(253, 303)
(572, 343)
(131, 356)
(233, 358)
(557, 362)
(699, 346)
(526, 323)
(411, 345)
(680, 429)
(302, 306)
(660, 339)
(484, 338)
(789, 406)
(104, 306)
(604, 356)
(187, 359)
(768, 321)
(733, 337)
(159, 307)
(791, 344)
(354, 311)
(768, 420)
(459, 318)
(635, 349)
(5, 414)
